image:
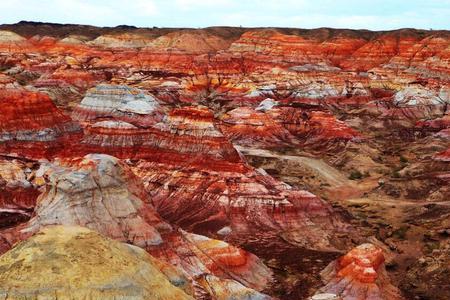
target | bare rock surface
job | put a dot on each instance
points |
(360, 274)
(71, 261)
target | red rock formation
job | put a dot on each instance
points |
(270, 45)
(240, 204)
(101, 193)
(378, 51)
(31, 125)
(285, 126)
(346, 49)
(443, 156)
(195, 176)
(129, 125)
(360, 274)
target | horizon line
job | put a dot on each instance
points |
(218, 26)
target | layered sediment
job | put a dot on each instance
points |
(100, 193)
(360, 274)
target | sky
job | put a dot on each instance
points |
(356, 14)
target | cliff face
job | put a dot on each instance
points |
(276, 141)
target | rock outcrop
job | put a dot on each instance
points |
(121, 102)
(129, 123)
(69, 261)
(32, 126)
(101, 193)
(248, 126)
(286, 126)
(239, 204)
(17, 194)
(360, 274)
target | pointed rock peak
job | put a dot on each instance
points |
(360, 274)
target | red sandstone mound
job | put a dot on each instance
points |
(276, 127)
(31, 125)
(360, 274)
(129, 123)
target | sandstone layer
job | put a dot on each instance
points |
(360, 274)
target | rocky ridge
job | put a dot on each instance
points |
(100, 193)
